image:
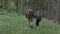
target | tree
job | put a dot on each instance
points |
(3, 4)
(53, 9)
(49, 13)
(58, 11)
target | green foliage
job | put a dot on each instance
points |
(19, 25)
(0, 4)
(6, 3)
(12, 7)
(36, 3)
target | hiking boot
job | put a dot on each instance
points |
(31, 27)
(37, 28)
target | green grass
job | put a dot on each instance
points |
(19, 25)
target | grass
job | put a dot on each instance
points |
(19, 25)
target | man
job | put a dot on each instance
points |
(30, 15)
(38, 18)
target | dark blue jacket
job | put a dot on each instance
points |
(38, 16)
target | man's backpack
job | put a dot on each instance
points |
(29, 14)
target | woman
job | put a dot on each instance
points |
(38, 18)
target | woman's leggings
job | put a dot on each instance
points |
(37, 22)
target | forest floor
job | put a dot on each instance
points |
(19, 25)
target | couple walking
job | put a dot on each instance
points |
(30, 14)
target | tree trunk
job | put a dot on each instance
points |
(22, 6)
(16, 3)
(49, 13)
(17, 6)
(52, 15)
(58, 11)
(3, 5)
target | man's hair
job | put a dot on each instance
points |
(30, 7)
